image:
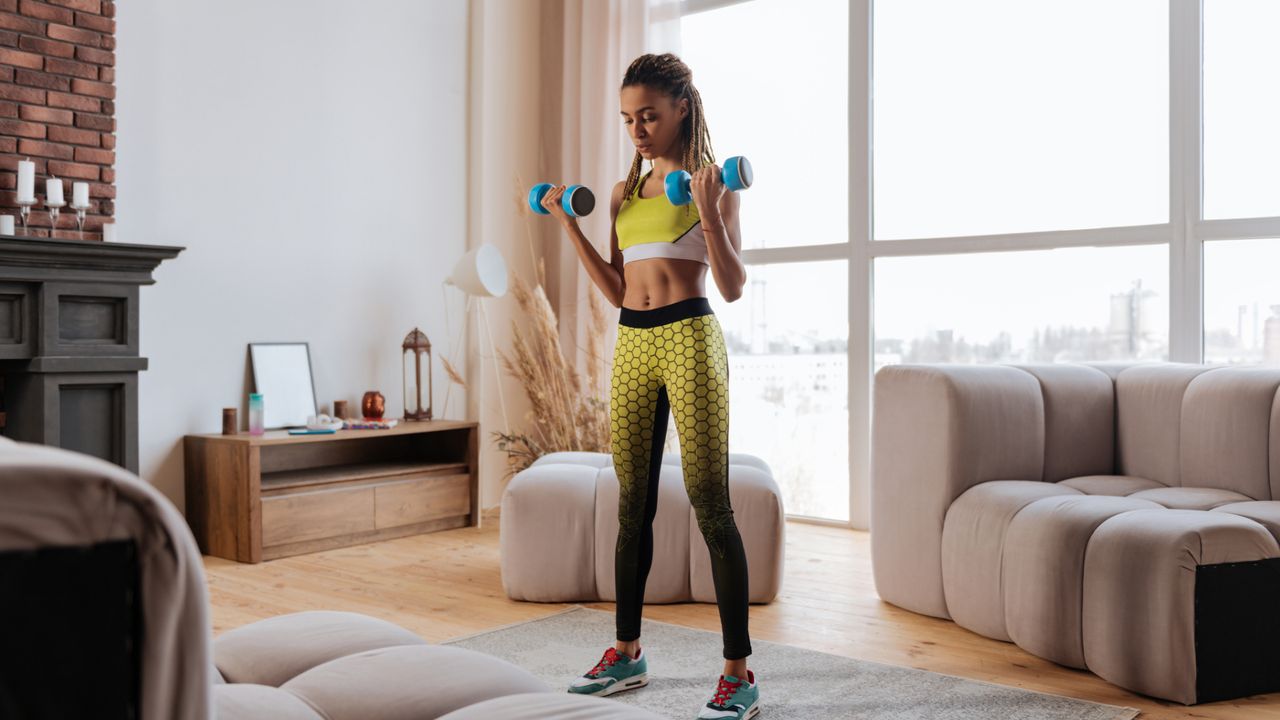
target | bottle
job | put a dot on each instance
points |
(255, 414)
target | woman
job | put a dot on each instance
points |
(670, 357)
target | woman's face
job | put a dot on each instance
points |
(652, 119)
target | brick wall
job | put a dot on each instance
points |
(57, 106)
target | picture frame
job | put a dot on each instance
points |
(282, 374)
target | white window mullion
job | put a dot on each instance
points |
(861, 275)
(1186, 293)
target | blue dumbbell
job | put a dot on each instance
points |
(736, 175)
(577, 200)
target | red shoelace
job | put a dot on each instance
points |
(725, 690)
(610, 657)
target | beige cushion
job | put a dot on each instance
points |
(1139, 593)
(1110, 484)
(577, 494)
(973, 542)
(246, 701)
(1226, 418)
(937, 431)
(551, 706)
(1264, 512)
(1190, 498)
(409, 682)
(1079, 419)
(271, 651)
(1043, 571)
(1148, 419)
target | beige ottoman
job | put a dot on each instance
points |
(559, 527)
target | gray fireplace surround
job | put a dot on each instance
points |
(69, 357)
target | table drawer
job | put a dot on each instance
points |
(421, 500)
(316, 515)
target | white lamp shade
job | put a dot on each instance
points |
(482, 271)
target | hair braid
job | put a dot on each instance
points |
(668, 74)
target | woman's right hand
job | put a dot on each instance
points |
(551, 202)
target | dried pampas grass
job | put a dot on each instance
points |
(565, 413)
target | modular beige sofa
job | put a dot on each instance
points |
(1119, 518)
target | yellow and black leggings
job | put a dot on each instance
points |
(672, 359)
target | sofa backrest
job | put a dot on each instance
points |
(1201, 426)
(1079, 420)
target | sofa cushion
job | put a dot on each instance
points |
(1079, 419)
(409, 682)
(557, 491)
(1043, 571)
(1110, 484)
(973, 537)
(1226, 418)
(1148, 419)
(1140, 575)
(246, 701)
(560, 706)
(1190, 498)
(271, 651)
(1264, 512)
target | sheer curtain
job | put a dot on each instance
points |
(590, 144)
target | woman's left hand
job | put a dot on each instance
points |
(707, 188)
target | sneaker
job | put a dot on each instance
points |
(735, 699)
(614, 673)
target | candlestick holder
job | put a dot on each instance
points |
(54, 209)
(24, 212)
(80, 211)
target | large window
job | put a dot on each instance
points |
(788, 343)
(1005, 116)
(1027, 181)
(1064, 305)
(1242, 301)
(788, 335)
(1241, 108)
(754, 64)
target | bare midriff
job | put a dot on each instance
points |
(655, 282)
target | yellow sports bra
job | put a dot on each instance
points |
(654, 228)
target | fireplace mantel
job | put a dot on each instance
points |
(69, 356)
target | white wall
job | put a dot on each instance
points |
(311, 157)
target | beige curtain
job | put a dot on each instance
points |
(600, 38)
(543, 96)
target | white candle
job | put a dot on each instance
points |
(80, 194)
(6, 224)
(26, 181)
(108, 232)
(53, 191)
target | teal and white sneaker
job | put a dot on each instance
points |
(735, 699)
(614, 673)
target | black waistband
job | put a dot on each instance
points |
(653, 317)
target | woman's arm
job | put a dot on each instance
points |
(723, 232)
(607, 275)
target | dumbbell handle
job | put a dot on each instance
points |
(577, 200)
(736, 174)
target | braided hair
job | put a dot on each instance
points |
(668, 74)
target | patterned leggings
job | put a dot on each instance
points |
(672, 359)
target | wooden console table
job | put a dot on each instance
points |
(254, 498)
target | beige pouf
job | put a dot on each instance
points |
(559, 527)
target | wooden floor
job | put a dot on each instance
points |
(447, 584)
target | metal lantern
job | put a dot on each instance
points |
(416, 352)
